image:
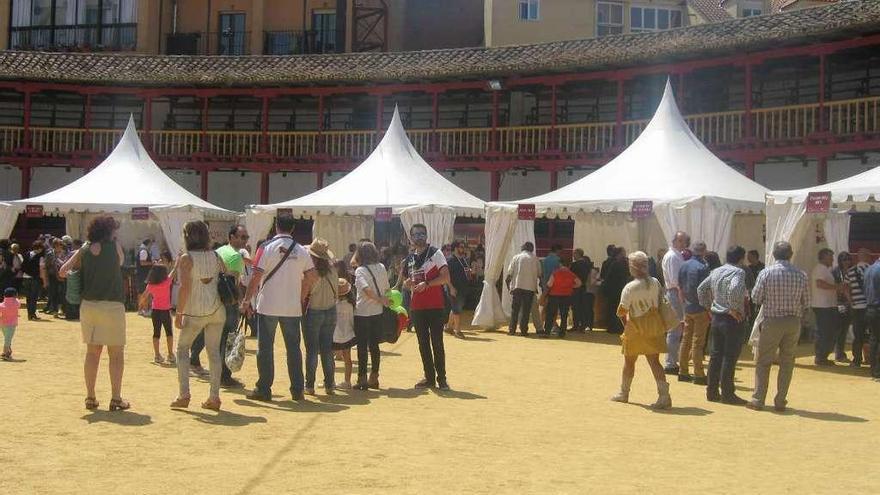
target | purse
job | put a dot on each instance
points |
(390, 327)
(235, 351)
(227, 286)
(667, 314)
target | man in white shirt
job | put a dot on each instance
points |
(523, 276)
(672, 261)
(283, 276)
(823, 297)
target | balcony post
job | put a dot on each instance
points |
(203, 193)
(380, 106)
(553, 110)
(618, 123)
(750, 168)
(319, 180)
(148, 122)
(87, 122)
(27, 122)
(554, 180)
(822, 170)
(264, 127)
(204, 143)
(493, 136)
(495, 185)
(821, 113)
(747, 98)
(435, 121)
(264, 188)
(321, 147)
(25, 181)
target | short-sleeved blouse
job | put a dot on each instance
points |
(640, 296)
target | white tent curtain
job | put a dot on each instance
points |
(784, 224)
(172, 221)
(74, 224)
(748, 231)
(258, 223)
(703, 220)
(837, 231)
(500, 226)
(8, 217)
(523, 231)
(593, 231)
(341, 230)
(440, 221)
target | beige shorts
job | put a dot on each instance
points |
(103, 322)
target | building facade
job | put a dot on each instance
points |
(791, 100)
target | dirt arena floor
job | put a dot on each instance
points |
(524, 416)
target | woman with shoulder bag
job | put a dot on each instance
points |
(642, 307)
(102, 312)
(371, 281)
(199, 309)
(319, 320)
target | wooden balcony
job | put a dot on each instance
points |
(770, 127)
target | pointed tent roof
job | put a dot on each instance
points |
(666, 164)
(394, 175)
(127, 178)
(859, 188)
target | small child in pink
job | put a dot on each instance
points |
(159, 291)
(8, 320)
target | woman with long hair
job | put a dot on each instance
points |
(319, 319)
(199, 310)
(102, 312)
(644, 333)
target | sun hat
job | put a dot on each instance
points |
(319, 248)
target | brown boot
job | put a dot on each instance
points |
(373, 382)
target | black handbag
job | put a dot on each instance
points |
(390, 328)
(227, 286)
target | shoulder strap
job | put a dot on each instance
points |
(378, 292)
(281, 262)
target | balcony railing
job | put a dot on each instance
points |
(219, 43)
(80, 37)
(288, 42)
(770, 126)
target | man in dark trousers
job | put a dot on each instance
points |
(426, 273)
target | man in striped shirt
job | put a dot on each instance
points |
(854, 278)
(724, 293)
(784, 292)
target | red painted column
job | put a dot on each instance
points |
(554, 180)
(618, 123)
(148, 122)
(493, 136)
(553, 109)
(495, 186)
(380, 107)
(822, 170)
(320, 145)
(264, 127)
(204, 192)
(747, 98)
(264, 188)
(87, 122)
(27, 123)
(25, 182)
(435, 121)
(750, 169)
(205, 124)
(319, 180)
(822, 125)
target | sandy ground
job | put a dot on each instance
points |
(525, 416)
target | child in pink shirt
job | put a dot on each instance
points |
(159, 290)
(8, 320)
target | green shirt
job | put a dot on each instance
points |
(231, 258)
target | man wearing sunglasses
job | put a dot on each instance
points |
(425, 273)
(230, 253)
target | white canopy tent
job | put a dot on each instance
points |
(668, 169)
(788, 219)
(128, 179)
(393, 176)
(8, 216)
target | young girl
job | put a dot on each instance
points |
(343, 336)
(159, 290)
(8, 320)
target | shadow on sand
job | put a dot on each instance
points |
(123, 418)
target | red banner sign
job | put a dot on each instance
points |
(642, 209)
(819, 202)
(383, 214)
(140, 213)
(525, 212)
(33, 211)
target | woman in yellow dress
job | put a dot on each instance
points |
(644, 332)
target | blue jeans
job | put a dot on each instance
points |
(318, 327)
(266, 326)
(673, 338)
(727, 340)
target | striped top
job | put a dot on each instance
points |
(855, 278)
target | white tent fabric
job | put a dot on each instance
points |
(394, 175)
(8, 216)
(126, 179)
(172, 220)
(690, 189)
(523, 232)
(440, 221)
(787, 219)
(500, 225)
(341, 230)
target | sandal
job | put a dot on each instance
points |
(212, 404)
(119, 405)
(459, 334)
(91, 403)
(171, 359)
(159, 359)
(180, 403)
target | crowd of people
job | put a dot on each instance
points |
(680, 303)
